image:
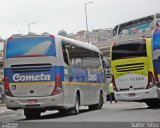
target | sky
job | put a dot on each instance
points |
(54, 15)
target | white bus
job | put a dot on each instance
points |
(46, 72)
(141, 27)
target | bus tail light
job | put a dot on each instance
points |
(114, 84)
(157, 83)
(52, 36)
(10, 38)
(6, 86)
(58, 85)
(155, 30)
(150, 80)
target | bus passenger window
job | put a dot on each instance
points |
(120, 32)
(65, 54)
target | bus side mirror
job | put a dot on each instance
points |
(158, 58)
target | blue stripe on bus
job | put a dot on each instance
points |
(156, 40)
(156, 47)
(34, 76)
(71, 75)
(156, 65)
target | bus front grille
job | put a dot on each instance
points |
(130, 67)
(22, 68)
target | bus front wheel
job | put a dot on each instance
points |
(99, 105)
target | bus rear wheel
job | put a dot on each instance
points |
(99, 105)
(32, 113)
(75, 109)
(153, 103)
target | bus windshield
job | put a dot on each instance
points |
(30, 47)
(129, 49)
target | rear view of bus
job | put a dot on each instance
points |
(133, 75)
(32, 77)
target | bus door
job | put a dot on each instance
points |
(66, 84)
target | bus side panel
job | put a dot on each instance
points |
(89, 85)
(156, 56)
(149, 54)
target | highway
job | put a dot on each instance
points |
(121, 112)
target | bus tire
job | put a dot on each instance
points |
(32, 113)
(99, 105)
(153, 103)
(63, 111)
(75, 109)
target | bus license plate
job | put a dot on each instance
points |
(32, 101)
(131, 94)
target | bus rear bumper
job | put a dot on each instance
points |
(137, 95)
(50, 102)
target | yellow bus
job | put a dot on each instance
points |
(133, 73)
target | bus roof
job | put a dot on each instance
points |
(130, 40)
(72, 41)
(80, 43)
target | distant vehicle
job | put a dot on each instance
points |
(133, 72)
(141, 27)
(46, 72)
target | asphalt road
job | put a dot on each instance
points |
(119, 114)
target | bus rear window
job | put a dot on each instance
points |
(30, 47)
(129, 49)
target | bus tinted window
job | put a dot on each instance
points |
(81, 57)
(27, 47)
(115, 30)
(129, 49)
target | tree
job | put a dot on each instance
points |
(63, 33)
(45, 33)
